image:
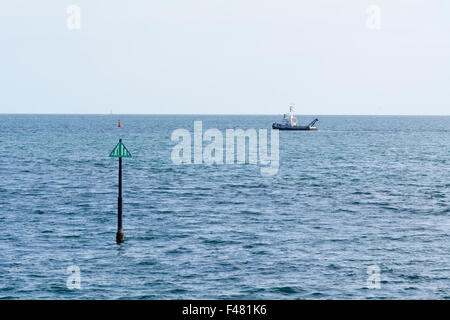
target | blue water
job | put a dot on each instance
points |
(361, 191)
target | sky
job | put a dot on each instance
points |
(225, 57)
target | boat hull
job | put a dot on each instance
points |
(277, 126)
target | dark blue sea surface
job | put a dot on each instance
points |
(361, 191)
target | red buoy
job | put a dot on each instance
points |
(120, 125)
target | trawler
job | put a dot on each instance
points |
(290, 122)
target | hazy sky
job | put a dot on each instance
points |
(225, 56)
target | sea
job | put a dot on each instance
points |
(359, 209)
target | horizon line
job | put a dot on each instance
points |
(219, 114)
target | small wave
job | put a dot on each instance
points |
(179, 251)
(333, 267)
(287, 290)
(146, 263)
(178, 291)
(249, 212)
(218, 241)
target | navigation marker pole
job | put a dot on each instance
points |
(120, 151)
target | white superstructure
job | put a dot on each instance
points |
(289, 118)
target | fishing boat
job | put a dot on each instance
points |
(290, 122)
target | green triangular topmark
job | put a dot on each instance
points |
(120, 151)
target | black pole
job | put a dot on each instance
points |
(119, 225)
(119, 235)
